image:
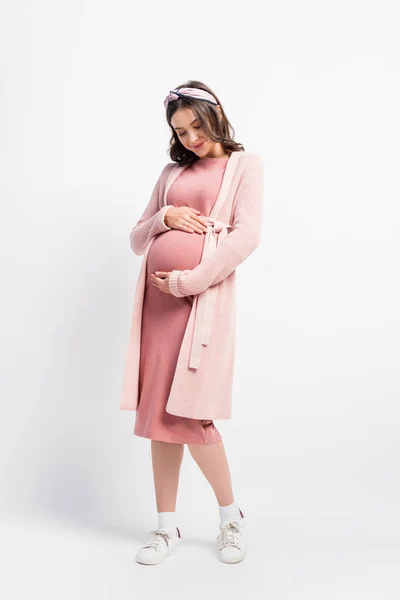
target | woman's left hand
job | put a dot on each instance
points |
(160, 280)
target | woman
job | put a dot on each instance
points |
(179, 366)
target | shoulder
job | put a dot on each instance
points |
(251, 164)
(170, 166)
(165, 172)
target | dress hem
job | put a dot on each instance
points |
(177, 441)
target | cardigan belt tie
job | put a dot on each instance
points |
(216, 233)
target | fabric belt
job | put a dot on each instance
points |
(206, 301)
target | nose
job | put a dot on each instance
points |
(193, 139)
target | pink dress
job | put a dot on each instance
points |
(165, 316)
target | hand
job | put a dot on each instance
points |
(160, 280)
(185, 218)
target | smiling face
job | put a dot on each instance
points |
(189, 130)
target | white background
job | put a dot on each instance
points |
(313, 444)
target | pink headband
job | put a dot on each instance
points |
(187, 92)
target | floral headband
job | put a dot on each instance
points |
(187, 92)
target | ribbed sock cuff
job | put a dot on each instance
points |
(167, 520)
(229, 513)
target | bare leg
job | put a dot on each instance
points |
(167, 460)
(213, 463)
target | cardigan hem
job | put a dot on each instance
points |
(215, 417)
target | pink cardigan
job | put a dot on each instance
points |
(202, 385)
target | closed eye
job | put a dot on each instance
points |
(184, 133)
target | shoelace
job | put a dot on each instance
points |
(158, 539)
(230, 535)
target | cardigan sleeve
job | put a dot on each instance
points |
(151, 222)
(234, 249)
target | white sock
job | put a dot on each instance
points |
(229, 513)
(167, 520)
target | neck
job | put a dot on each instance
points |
(217, 151)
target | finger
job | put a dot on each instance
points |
(195, 221)
(185, 227)
(195, 214)
(202, 220)
(198, 225)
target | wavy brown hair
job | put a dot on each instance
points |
(216, 129)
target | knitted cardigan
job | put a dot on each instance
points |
(203, 379)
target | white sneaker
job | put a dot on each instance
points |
(162, 543)
(232, 545)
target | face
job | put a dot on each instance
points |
(188, 129)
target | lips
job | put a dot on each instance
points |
(199, 146)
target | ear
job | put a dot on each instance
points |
(219, 111)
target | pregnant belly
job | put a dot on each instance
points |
(175, 249)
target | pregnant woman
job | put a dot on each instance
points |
(201, 142)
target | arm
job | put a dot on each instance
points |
(234, 249)
(151, 222)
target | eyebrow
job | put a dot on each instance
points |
(189, 124)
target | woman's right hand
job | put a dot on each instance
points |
(185, 218)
